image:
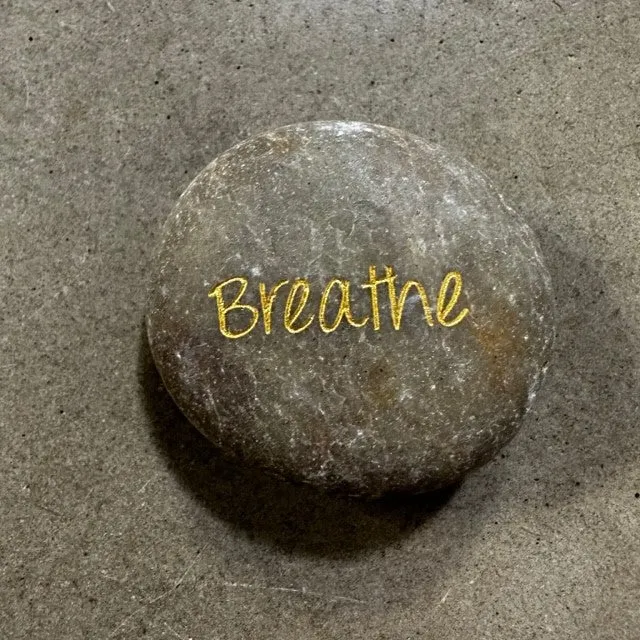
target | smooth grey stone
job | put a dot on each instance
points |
(404, 405)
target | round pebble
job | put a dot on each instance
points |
(347, 305)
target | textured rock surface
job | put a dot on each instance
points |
(350, 399)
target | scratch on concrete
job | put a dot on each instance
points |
(175, 633)
(163, 595)
(303, 591)
(445, 596)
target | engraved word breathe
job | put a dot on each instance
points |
(297, 318)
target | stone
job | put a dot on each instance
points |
(347, 305)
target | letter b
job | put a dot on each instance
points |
(224, 309)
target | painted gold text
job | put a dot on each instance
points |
(333, 308)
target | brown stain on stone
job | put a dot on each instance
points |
(381, 385)
(279, 145)
(501, 343)
(285, 144)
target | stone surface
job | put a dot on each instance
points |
(347, 305)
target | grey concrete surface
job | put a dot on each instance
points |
(117, 520)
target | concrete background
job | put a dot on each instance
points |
(116, 519)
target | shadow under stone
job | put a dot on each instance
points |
(588, 415)
(297, 518)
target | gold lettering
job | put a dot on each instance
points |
(266, 302)
(290, 317)
(394, 308)
(444, 307)
(223, 309)
(396, 311)
(448, 312)
(344, 309)
(372, 285)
